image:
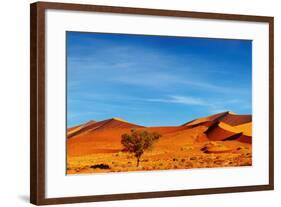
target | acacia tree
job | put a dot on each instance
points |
(138, 141)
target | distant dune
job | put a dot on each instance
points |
(212, 118)
(114, 123)
(225, 117)
(226, 126)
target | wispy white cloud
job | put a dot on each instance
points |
(160, 79)
(210, 105)
(186, 100)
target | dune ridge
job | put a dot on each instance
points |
(105, 124)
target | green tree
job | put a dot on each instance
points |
(138, 141)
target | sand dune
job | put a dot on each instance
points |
(112, 123)
(225, 133)
(103, 136)
(105, 124)
(165, 129)
(234, 119)
(225, 126)
(77, 129)
(212, 118)
(86, 137)
(225, 117)
(244, 138)
(221, 131)
(245, 128)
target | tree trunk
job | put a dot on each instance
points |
(138, 161)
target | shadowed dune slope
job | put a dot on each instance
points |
(211, 118)
(79, 128)
(219, 132)
(226, 117)
(70, 129)
(244, 138)
(234, 119)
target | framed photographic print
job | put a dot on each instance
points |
(130, 103)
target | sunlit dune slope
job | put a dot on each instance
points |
(245, 128)
(99, 141)
(106, 140)
(165, 129)
(177, 139)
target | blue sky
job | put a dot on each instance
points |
(155, 80)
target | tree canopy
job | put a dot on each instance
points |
(138, 141)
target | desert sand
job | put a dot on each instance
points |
(220, 140)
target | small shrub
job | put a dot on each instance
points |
(100, 166)
(193, 158)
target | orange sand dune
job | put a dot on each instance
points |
(211, 118)
(106, 124)
(180, 138)
(226, 117)
(221, 131)
(113, 123)
(74, 129)
(105, 136)
(217, 132)
(245, 128)
(234, 119)
(100, 140)
(110, 139)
